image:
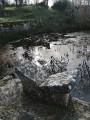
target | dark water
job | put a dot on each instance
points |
(72, 48)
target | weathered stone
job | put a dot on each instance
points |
(11, 91)
(53, 89)
(20, 25)
(60, 82)
(82, 87)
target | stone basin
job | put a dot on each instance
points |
(53, 89)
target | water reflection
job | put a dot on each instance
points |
(69, 52)
(70, 49)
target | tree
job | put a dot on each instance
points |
(16, 2)
(88, 2)
(20, 2)
(25, 2)
(36, 1)
(46, 3)
(3, 4)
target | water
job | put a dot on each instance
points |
(72, 48)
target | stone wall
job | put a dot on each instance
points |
(20, 25)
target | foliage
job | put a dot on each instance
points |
(52, 20)
(7, 4)
(41, 4)
(60, 5)
(31, 12)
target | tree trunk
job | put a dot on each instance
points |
(46, 3)
(3, 4)
(16, 2)
(25, 2)
(88, 2)
(20, 2)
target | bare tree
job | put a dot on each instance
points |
(88, 2)
(36, 1)
(25, 2)
(81, 2)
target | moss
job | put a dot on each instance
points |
(2, 83)
(15, 106)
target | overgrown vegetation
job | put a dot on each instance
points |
(11, 14)
(52, 18)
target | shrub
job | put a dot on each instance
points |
(60, 5)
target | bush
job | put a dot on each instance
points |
(60, 5)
